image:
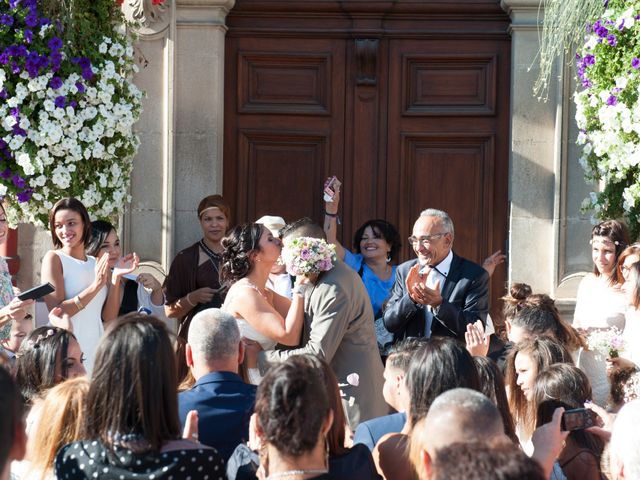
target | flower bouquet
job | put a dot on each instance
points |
(307, 256)
(67, 107)
(608, 342)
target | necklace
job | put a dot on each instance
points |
(214, 257)
(291, 473)
(256, 288)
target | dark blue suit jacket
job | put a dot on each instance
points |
(465, 297)
(224, 404)
(369, 432)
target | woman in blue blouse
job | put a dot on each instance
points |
(375, 246)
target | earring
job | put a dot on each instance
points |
(388, 257)
(326, 458)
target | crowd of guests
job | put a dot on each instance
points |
(366, 370)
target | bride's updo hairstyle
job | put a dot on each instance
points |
(238, 245)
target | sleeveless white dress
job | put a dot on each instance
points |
(87, 323)
(597, 306)
(247, 331)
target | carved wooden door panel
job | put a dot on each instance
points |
(285, 125)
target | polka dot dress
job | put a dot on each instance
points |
(90, 459)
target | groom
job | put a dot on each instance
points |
(338, 328)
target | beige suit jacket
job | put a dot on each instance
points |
(339, 329)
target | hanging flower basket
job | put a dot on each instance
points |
(608, 112)
(67, 107)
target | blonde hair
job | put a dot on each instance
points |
(61, 418)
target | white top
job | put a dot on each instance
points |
(87, 323)
(631, 336)
(599, 305)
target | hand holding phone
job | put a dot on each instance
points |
(578, 419)
(37, 292)
(331, 187)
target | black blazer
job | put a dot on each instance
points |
(465, 299)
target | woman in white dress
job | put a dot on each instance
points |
(79, 279)
(626, 367)
(600, 303)
(250, 251)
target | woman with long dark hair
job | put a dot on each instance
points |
(564, 385)
(441, 364)
(48, 356)
(131, 426)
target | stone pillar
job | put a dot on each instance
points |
(548, 238)
(180, 158)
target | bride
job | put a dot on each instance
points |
(250, 251)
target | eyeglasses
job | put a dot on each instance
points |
(427, 239)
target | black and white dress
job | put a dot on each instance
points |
(91, 459)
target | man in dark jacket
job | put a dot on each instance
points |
(438, 293)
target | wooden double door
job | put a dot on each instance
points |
(406, 102)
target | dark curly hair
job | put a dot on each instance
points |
(238, 246)
(40, 353)
(292, 404)
(381, 229)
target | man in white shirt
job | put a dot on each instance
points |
(438, 293)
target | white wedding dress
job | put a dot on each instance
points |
(598, 306)
(247, 331)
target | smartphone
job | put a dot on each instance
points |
(330, 187)
(578, 419)
(37, 292)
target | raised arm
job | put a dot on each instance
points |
(254, 308)
(331, 222)
(52, 273)
(111, 306)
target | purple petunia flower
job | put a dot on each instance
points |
(54, 44)
(612, 100)
(18, 181)
(3, 93)
(19, 131)
(612, 40)
(14, 112)
(55, 83)
(4, 58)
(635, 63)
(13, 3)
(31, 20)
(25, 195)
(87, 74)
(6, 19)
(80, 87)
(60, 101)
(73, 104)
(5, 173)
(589, 60)
(45, 21)
(28, 35)
(15, 68)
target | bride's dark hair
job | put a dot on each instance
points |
(238, 246)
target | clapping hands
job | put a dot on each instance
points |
(476, 339)
(124, 266)
(418, 290)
